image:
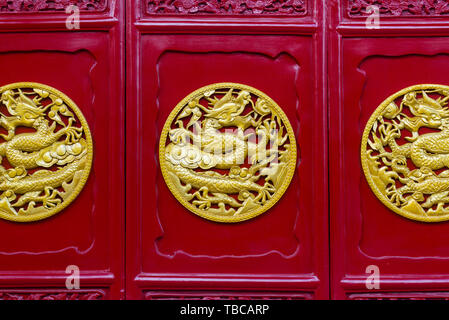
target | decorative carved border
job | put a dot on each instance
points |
(52, 295)
(208, 295)
(399, 8)
(25, 6)
(400, 296)
(226, 7)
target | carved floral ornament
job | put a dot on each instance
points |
(227, 7)
(399, 7)
(227, 152)
(405, 153)
(16, 295)
(17, 6)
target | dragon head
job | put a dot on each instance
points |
(23, 108)
(432, 112)
(244, 97)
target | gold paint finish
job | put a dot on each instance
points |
(45, 149)
(227, 152)
(405, 152)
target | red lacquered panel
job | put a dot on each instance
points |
(366, 67)
(85, 64)
(169, 247)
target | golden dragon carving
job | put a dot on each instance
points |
(46, 151)
(227, 152)
(405, 152)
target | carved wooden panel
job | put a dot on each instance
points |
(227, 7)
(400, 296)
(168, 246)
(32, 294)
(85, 64)
(366, 67)
(22, 6)
(225, 295)
(399, 8)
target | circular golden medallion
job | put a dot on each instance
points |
(405, 152)
(45, 151)
(227, 152)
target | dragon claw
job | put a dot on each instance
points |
(49, 200)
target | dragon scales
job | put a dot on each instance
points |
(46, 151)
(405, 152)
(227, 152)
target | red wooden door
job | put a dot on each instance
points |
(407, 47)
(300, 54)
(175, 48)
(85, 64)
(172, 51)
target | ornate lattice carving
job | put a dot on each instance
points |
(227, 7)
(406, 166)
(400, 7)
(42, 171)
(50, 5)
(400, 296)
(227, 152)
(34, 295)
(154, 295)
